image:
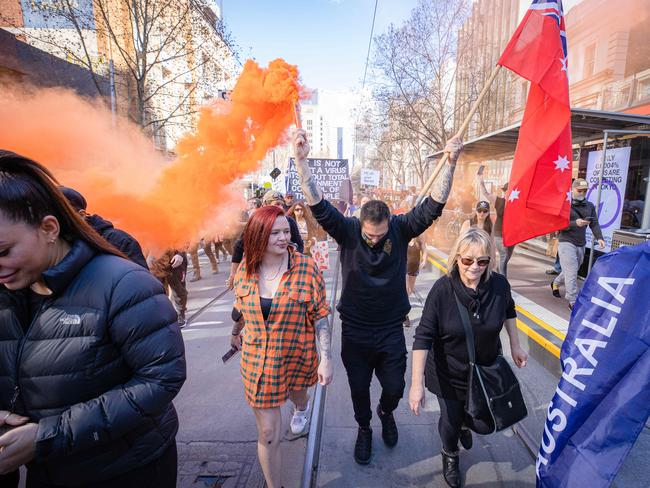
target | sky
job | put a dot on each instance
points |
(327, 39)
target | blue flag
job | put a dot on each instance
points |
(603, 399)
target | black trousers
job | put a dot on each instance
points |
(384, 353)
(160, 473)
(452, 415)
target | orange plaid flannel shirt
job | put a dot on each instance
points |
(280, 355)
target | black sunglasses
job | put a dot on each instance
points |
(482, 262)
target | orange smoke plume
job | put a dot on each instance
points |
(162, 203)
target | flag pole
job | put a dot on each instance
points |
(460, 133)
(296, 115)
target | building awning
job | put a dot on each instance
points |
(586, 125)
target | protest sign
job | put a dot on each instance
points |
(369, 177)
(613, 192)
(328, 173)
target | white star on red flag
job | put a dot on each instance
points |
(514, 195)
(568, 196)
(561, 163)
(564, 62)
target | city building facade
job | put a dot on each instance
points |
(187, 61)
(609, 85)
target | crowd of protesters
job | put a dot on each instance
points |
(94, 407)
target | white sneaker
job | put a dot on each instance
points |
(299, 420)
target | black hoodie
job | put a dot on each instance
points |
(374, 285)
(118, 238)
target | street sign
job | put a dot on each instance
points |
(279, 184)
(369, 177)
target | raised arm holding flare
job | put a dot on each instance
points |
(313, 194)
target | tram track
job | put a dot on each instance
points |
(207, 306)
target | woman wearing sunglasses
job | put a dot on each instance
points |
(440, 358)
(480, 219)
(309, 229)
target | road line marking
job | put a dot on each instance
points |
(437, 265)
(560, 335)
(545, 343)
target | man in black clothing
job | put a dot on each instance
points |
(374, 301)
(571, 248)
(117, 237)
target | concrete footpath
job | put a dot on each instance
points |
(217, 440)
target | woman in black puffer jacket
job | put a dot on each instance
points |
(90, 352)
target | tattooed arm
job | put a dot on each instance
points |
(442, 185)
(324, 336)
(327, 216)
(420, 217)
(313, 193)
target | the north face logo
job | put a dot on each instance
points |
(67, 319)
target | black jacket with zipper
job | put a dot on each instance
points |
(121, 240)
(97, 369)
(578, 235)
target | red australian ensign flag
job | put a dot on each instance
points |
(538, 200)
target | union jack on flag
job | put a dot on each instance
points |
(553, 9)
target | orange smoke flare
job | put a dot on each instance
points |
(162, 203)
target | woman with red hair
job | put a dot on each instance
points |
(281, 296)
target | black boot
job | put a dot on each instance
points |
(388, 428)
(363, 446)
(450, 469)
(181, 320)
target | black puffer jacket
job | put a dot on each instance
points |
(97, 369)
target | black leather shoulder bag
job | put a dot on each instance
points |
(494, 401)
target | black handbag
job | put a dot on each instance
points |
(494, 401)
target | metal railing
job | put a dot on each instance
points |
(312, 456)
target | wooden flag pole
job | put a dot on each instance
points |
(460, 133)
(296, 115)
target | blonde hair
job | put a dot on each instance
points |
(472, 236)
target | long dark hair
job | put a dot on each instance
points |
(29, 192)
(256, 235)
(312, 225)
(487, 226)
